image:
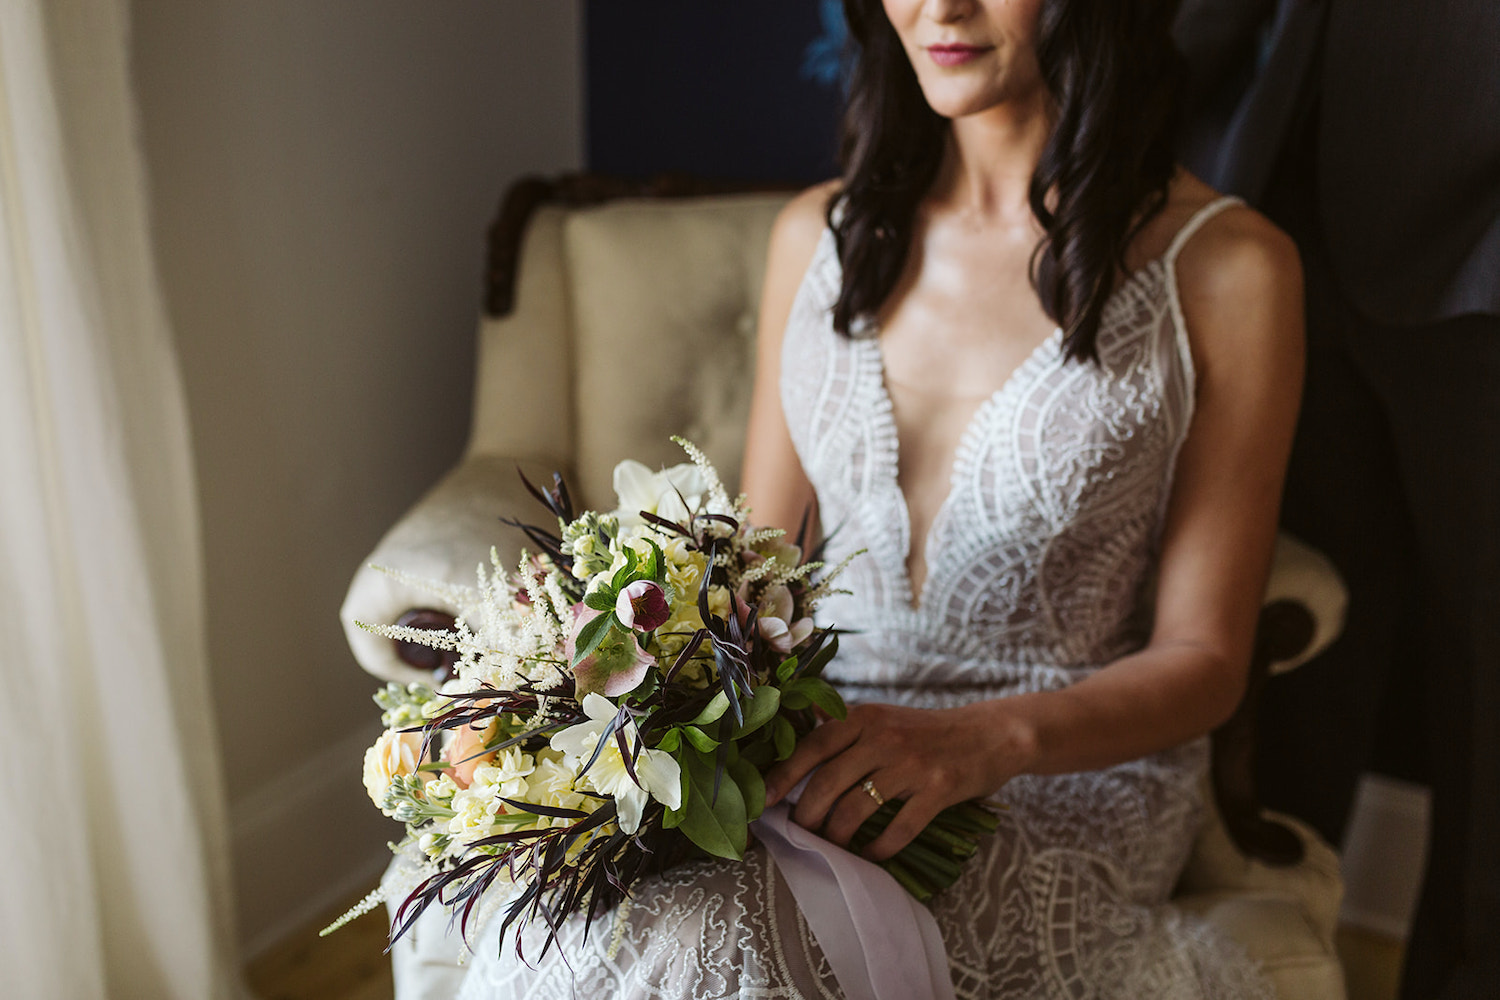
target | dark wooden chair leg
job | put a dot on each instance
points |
(1284, 631)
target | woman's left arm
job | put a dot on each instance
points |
(1241, 292)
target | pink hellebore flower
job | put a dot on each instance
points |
(615, 667)
(776, 608)
(643, 606)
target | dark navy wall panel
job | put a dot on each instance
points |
(721, 88)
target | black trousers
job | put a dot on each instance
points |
(1395, 475)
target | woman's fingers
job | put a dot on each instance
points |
(913, 818)
(824, 742)
(829, 783)
(857, 805)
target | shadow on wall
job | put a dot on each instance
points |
(738, 91)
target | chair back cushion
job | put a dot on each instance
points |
(663, 298)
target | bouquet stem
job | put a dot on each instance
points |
(934, 860)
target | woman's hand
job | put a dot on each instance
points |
(931, 758)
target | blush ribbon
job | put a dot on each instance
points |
(879, 941)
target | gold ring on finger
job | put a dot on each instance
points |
(874, 793)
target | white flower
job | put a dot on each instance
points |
(505, 775)
(474, 812)
(638, 489)
(658, 771)
(440, 789)
(433, 844)
(554, 784)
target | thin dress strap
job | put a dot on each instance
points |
(1179, 322)
(1192, 225)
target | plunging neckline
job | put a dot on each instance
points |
(913, 599)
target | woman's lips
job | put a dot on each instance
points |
(953, 54)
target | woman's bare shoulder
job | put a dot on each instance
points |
(1236, 252)
(801, 222)
(1239, 281)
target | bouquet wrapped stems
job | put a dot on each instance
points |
(934, 860)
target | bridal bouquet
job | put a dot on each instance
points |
(617, 699)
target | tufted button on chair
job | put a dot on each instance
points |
(618, 315)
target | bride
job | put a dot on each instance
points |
(1047, 381)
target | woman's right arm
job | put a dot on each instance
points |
(772, 477)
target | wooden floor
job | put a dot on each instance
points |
(350, 964)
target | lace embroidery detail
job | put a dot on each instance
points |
(1040, 569)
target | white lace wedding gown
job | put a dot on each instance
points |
(1041, 566)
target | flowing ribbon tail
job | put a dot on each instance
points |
(879, 941)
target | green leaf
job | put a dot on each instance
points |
(591, 635)
(795, 701)
(671, 741)
(718, 826)
(761, 707)
(655, 570)
(785, 737)
(759, 750)
(624, 574)
(713, 711)
(700, 740)
(826, 697)
(752, 787)
(602, 599)
(823, 658)
(646, 688)
(787, 668)
(817, 691)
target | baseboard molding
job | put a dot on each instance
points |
(1385, 852)
(304, 842)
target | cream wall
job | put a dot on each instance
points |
(322, 173)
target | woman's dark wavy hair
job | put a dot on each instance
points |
(1112, 71)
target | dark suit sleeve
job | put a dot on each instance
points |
(1218, 38)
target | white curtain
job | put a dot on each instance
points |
(112, 832)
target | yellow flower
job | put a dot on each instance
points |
(685, 576)
(395, 753)
(718, 600)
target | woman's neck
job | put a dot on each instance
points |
(991, 156)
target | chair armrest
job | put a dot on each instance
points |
(1303, 613)
(1304, 576)
(444, 537)
(1217, 865)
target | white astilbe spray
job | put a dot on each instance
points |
(779, 572)
(408, 633)
(823, 589)
(718, 497)
(754, 573)
(759, 536)
(359, 909)
(500, 642)
(452, 594)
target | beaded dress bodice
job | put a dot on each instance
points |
(1040, 560)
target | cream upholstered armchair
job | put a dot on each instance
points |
(598, 290)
